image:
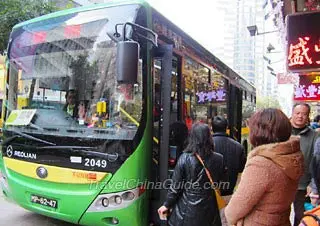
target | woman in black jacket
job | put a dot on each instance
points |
(190, 196)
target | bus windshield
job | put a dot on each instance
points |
(64, 70)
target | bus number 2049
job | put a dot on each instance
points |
(95, 163)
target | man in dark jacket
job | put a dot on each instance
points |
(299, 122)
(233, 155)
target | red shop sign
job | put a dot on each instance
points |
(303, 34)
(308, 88)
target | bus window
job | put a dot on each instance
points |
(219, 86)
(196, 83)
(204, 97)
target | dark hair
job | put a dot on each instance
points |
(317, 118)
(70, 91)
(178, 133)
(269, 125)
(200, 140)
(219, 124)
(302, 104)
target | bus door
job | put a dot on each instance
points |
(166, 112)
(168, 100)
(178, 130)
(235, 112)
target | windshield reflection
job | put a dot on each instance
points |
(66, 70)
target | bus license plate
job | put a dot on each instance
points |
(44, 201)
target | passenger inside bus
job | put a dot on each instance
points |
(71, 107)
(177, 138)
(82, 113)
(76, 109)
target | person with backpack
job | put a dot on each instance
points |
(234, 158)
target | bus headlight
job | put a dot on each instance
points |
(105, 202)
(128, 196)
(117, 199)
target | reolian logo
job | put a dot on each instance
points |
(9, 151)
(42, 172)
(20, 154)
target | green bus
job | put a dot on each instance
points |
(90, 97)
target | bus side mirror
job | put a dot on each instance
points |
(127, 62)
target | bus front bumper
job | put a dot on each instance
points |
(133, 215)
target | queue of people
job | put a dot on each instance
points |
(281, 170)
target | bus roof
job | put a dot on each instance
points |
(81, 9)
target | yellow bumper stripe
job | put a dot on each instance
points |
(55, 174)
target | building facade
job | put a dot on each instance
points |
(244, 53)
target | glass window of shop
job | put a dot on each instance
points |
(205, 94)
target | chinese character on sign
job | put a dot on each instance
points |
(303, 43)
(300, 91)
(288, 78)
(308, 88)
(201, 96)
(316, 79)
(211, 96)
(299, 53)
(218, 95)
(312, 90)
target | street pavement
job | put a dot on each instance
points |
(12, 214)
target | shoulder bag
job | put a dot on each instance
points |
(220, 201)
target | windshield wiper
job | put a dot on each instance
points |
(20, 134)
(34, 126)
(69, 147)
(9, 139)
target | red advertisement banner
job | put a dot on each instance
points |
(308, 88)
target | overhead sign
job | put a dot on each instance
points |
(209, 96)
(303, 50)
(308, 88)
(291, 78)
